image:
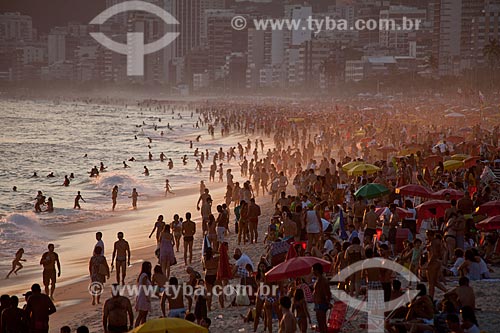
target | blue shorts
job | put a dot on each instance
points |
(177, 313)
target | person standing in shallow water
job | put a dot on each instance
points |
(114, 196)
(134, 197)
(77, 200)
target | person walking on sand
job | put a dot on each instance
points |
(99, 270)
(188, 232)
(115, 312)
(159, 225)
(168, 188)
(114, 196)
(16, 263)
(121, 251)
(167, 255)
(77, 200)
(143, 300)
(49, 261)
(206, 209)
(176, 228)
(38, 309)
(134, 197)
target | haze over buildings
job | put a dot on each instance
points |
(210, 54)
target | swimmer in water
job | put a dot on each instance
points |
(50, 205)
(146, 171)
(132, 159)
(40, 200)
(170, 163)
(72, 176)
(85, 156)
(35, 175)
(150, 156)
(184, 159)
(50, 175)
(198, 138)
(125, 165)
(14, 189)
(66, 181)
(77, 200)
(102, 167)
(16, 263)
(162, 157)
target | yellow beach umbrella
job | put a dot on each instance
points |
(359, 169)
(460, 157)
(451, 165)
(170, 325)
(348, 166)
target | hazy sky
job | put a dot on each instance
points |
(49, 13)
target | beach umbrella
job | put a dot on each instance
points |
(403, 213)
(432, 208)
(471, 161)
(454, 194)
(455, 139)
(451, 165)
(490, 224)
(460, 157)
(295, 267)
(358, 170)
(432, 161)
(454, 115)
(414, 190)
(372, 190)
(490, 208)
(348, 166)
(170, 325)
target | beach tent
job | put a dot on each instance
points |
(170, 325)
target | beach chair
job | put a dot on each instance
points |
(337, 317)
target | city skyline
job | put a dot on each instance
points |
(457, 38)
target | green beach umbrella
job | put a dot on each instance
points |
(370, 191)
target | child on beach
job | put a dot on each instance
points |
(17, 262)
(159, 280)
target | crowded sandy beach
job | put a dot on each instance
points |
(358, 215)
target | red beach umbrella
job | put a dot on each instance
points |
(403, 213)
(490, 224)
(490, 208)
(432, 208)
(295, 267)
(455, 139)
(414, 190)
(432, 161)
(454, 194)
(471, 161)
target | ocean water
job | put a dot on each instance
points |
(43, 137)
